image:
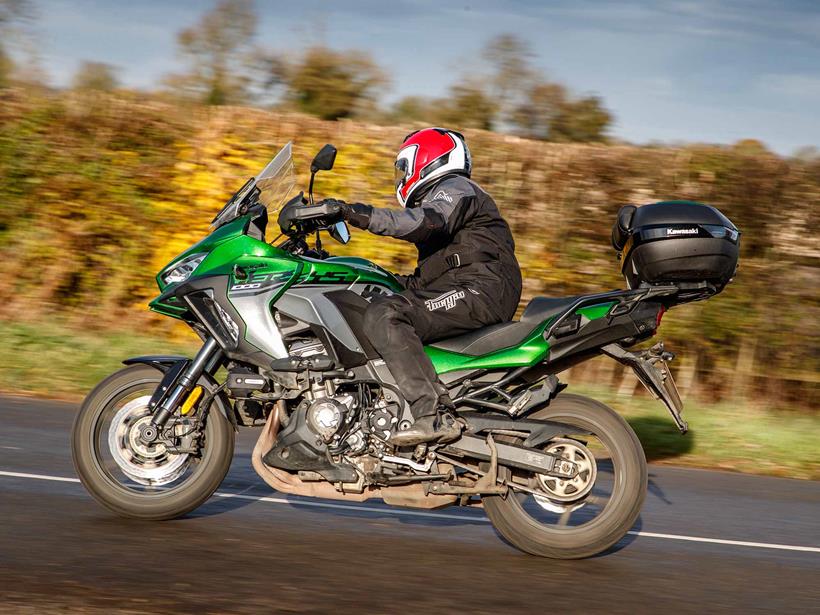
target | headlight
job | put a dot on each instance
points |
(183, 269)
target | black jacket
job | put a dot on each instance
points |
(461, 238)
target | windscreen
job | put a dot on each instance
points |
(276, 180)
(270, 187)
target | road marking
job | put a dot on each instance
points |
(62, 479)
(445, 517)
(720, 541)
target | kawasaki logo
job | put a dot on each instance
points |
(682, 231)
(446, 301)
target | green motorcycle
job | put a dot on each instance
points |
(283, 348)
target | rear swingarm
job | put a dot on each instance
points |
(536, 432)
(512, 455)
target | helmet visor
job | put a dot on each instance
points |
(400, 173)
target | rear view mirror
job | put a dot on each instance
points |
(324, 159)
(340, 232)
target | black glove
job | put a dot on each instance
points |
(356, 213)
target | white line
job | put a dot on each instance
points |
(62, 479)
(720, 541)
(445, 517)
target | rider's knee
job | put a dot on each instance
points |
(382, 314)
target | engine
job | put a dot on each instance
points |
(350, 419)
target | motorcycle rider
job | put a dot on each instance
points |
(467, 275)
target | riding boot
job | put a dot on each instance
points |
(438, 428)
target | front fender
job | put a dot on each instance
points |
(162, 362)
(172, 366)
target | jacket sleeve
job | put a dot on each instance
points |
(433, 219)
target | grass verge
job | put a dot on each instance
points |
(723, 436)
(53, 360)
(49, 359)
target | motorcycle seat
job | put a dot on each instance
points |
(506, 334)
(540, 309)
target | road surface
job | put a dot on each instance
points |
(705, 542)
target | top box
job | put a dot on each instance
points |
(690, 245)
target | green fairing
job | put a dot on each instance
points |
(347, 270)
(229, 246)
(528, 352)
(595, 311)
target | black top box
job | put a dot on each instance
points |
(690, 245)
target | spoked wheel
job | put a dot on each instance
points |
(576, 518)
(147, 481)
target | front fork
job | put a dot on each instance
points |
(207, 360)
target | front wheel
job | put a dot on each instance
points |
(586, 515)
(156, 481)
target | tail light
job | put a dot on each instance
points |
(659, 318)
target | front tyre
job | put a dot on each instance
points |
(580, 518)
(147, 482)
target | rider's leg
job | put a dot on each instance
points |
(398, 326)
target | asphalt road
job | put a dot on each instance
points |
(61, 552)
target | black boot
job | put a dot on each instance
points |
(433, 428)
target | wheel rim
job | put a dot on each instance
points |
(149, 465)
(578, 503)
(127, 463)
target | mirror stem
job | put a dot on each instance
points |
(310, 187)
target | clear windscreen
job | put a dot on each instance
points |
(271, 187)
(276, 180)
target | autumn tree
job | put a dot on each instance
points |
(535, 115)
(219, 53)
(333, 84)
(468, 106)
(95, 77)
(529, 104)
(582, 120)
(509, 59)
(12, 14)
(411, 109)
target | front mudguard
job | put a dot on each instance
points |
(173, 366)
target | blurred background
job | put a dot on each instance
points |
(125, 126)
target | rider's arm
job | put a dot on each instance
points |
(434, 218)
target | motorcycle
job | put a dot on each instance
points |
(283, 349)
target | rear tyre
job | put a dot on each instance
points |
(513, 518)
(142, 482)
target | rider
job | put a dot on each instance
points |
(467, 275)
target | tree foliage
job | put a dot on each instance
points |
(333, 84)
(467, 106)
(219, 53)
(511, 95)
(580, 121)
(95, 77)
(12, 14)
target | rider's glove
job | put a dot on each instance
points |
(356, 213)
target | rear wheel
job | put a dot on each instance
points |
(586, 515)
(155, 481)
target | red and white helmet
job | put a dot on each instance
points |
(427, 155)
